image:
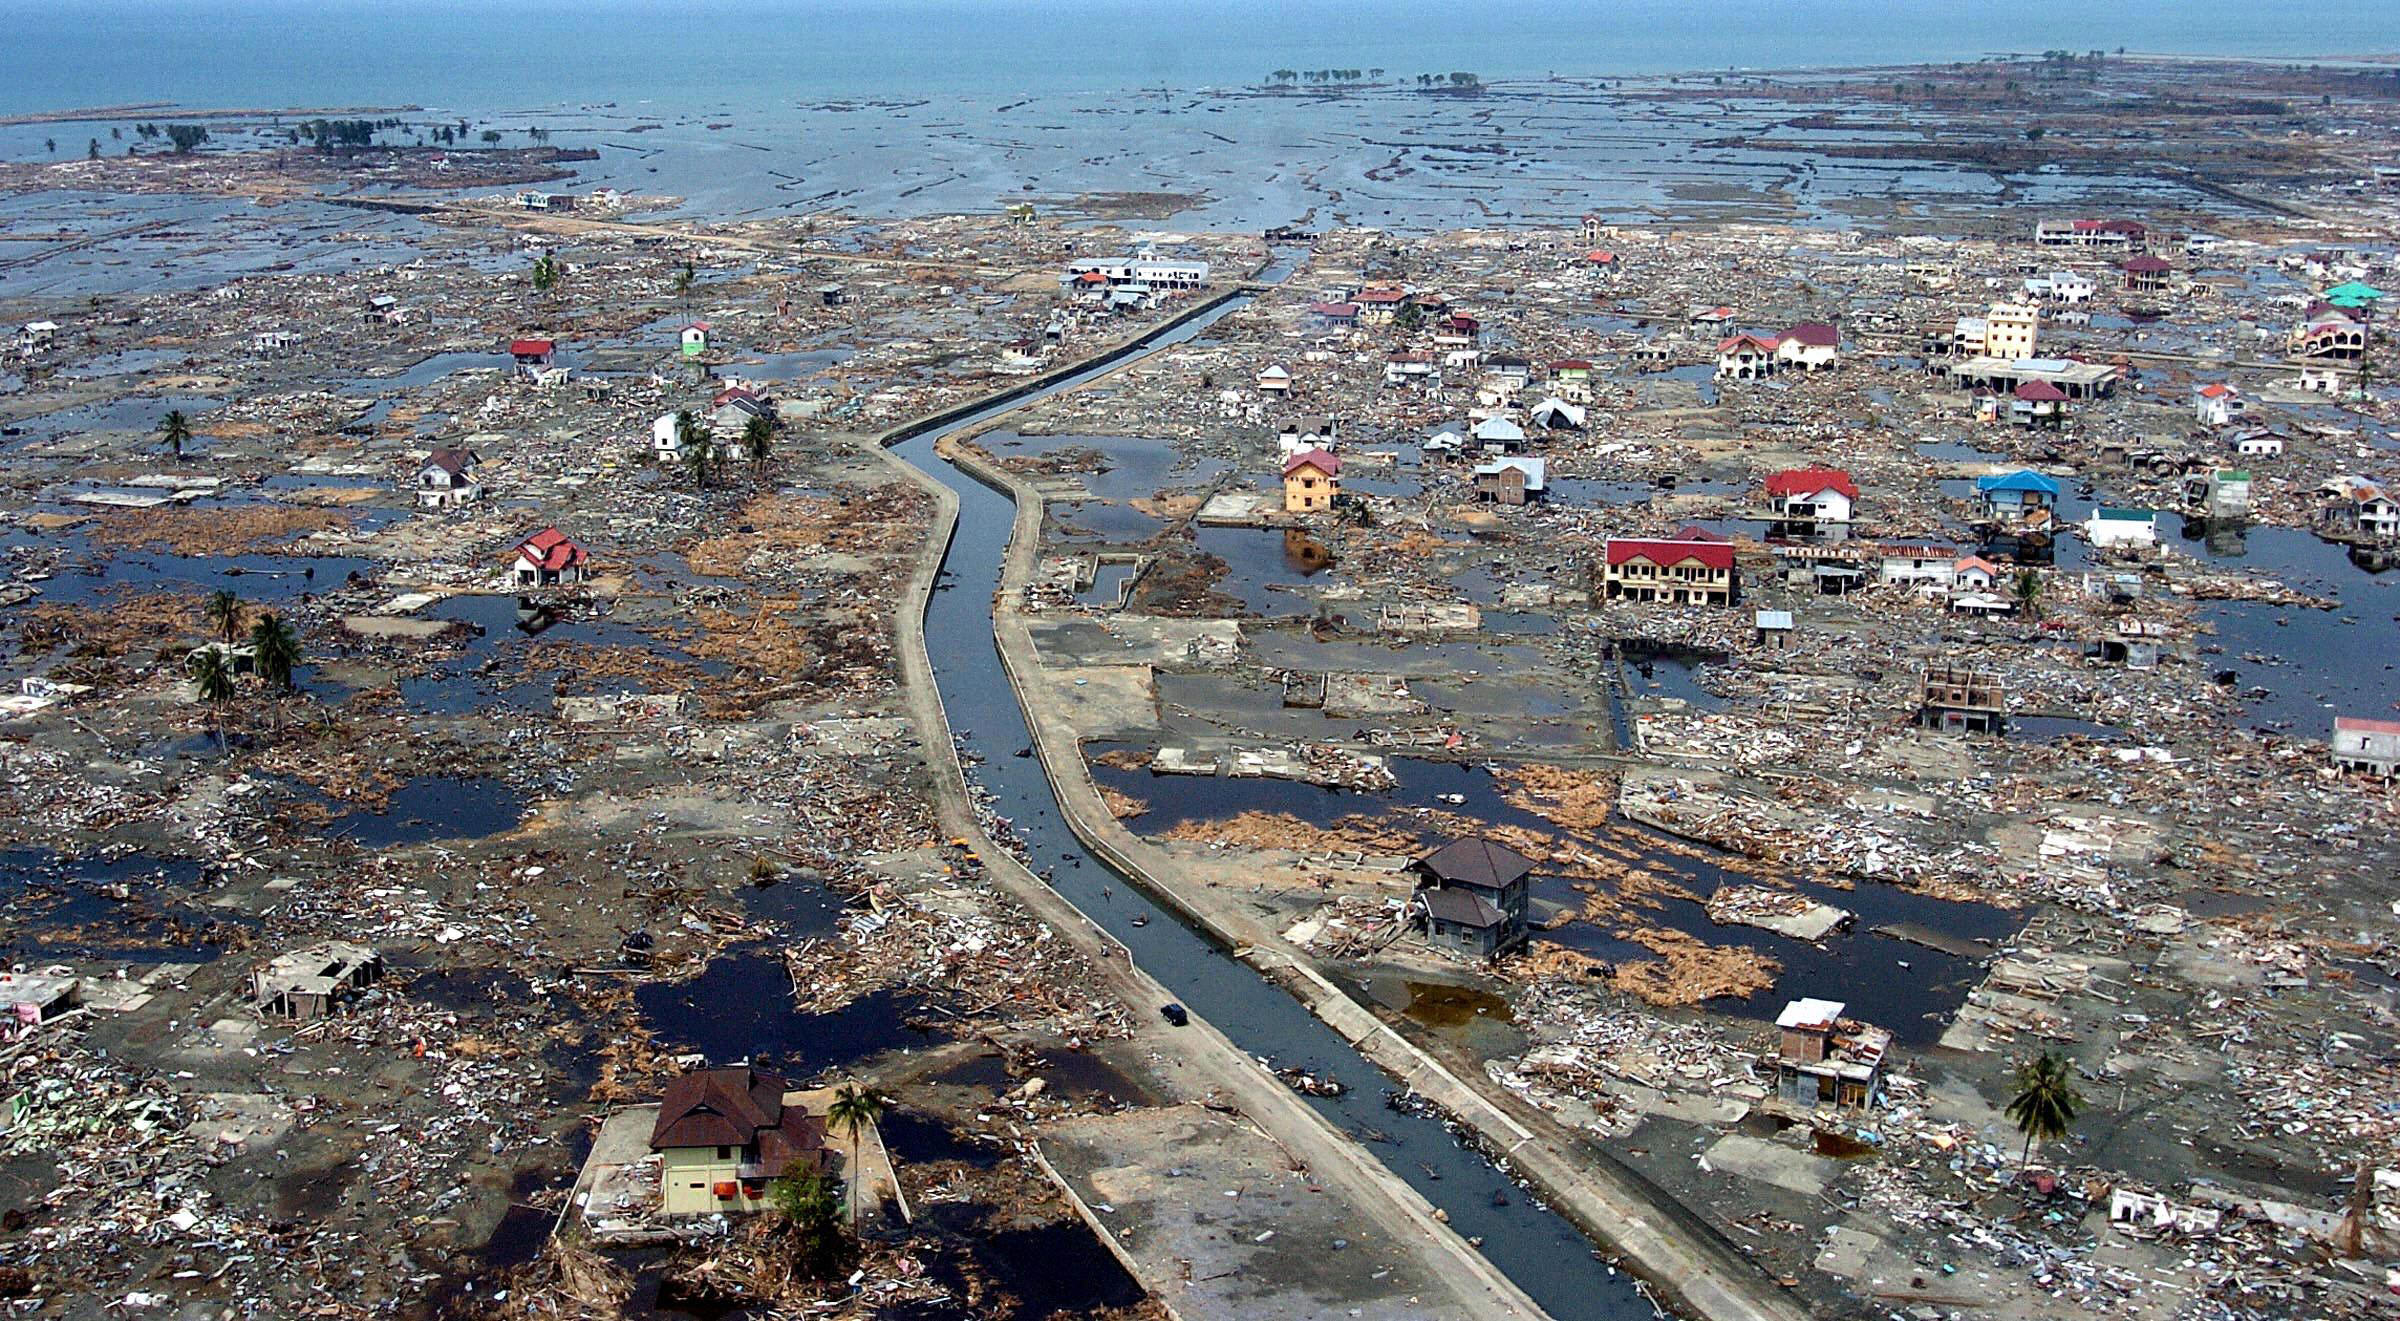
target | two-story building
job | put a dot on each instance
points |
(1824, 1061)
(1311, 479)
(1693, 567)
(1473, 896)
(723, 1135)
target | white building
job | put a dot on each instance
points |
(1142, 269)
(1275, 380)
(2121, 529)
(2217, 403)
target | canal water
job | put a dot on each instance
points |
(1546, 1256)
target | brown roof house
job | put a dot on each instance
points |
(1474, 895)
(724, 1134)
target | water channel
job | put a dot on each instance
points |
(1547, 1257)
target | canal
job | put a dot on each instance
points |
(1547, 1257)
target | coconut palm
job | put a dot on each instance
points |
(212, 682)
(853, 1108)
(2046, 1100)
(2029, 593)
(276, 648)
(691, 446)
(683, 282)
(758, 437)
(174, 430)
(224, 611)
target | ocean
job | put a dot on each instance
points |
(736, 55)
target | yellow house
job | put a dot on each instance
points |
(2009, 330)
(723, 1135)
(1311, 479)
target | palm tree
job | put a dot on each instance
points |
(691, 446)
(224, 611)
(853, 1108)
(212, 681)
(2029, 593)
(277, 650)
(683, 282)
(2046, 1100)
(545, 273)
(174, 430)
(758, 437)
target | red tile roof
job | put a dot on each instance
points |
(1571, 365)
(1665, 553)
(530, 348)
(2364, 725)
(2041, 392)
(1602, 256)
(717, 1108)
(1318, 459)
(1816, 334)
(550, 549)
(1809, 481)
(1764, 343)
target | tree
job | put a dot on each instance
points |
(758, 437)
(92, 152)
(277, 649)
(545, 273)
(174, 430)
(683, 282)
(50, 145)
(491, 135)
(2029, 593)
(2035, 133)
(2046, 1100)
(853, 1108)
(212, 681)
(224, 613)
(691, 447)
(813, 1220)
(186, 136)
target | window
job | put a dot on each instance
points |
(724, 1153)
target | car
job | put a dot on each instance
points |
(1174, 1013)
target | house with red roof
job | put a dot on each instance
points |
(2038, 404)
(2147, 274)
(1811, 346)
(1379, 307)
(1334, 316)
(1692, 567)
(2218, 403)
(549, 559)
(1457, 331)
(1811, 495)
(1311, 479)
(1746, 357)
(2362, 744)
(532, 354)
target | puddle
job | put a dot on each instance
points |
(61, 908)
(1438, 1005)
(740, 1007)
(1262, 563)
(430, 807)
(1655, 671)
(1135, 467)
(915, 1139)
